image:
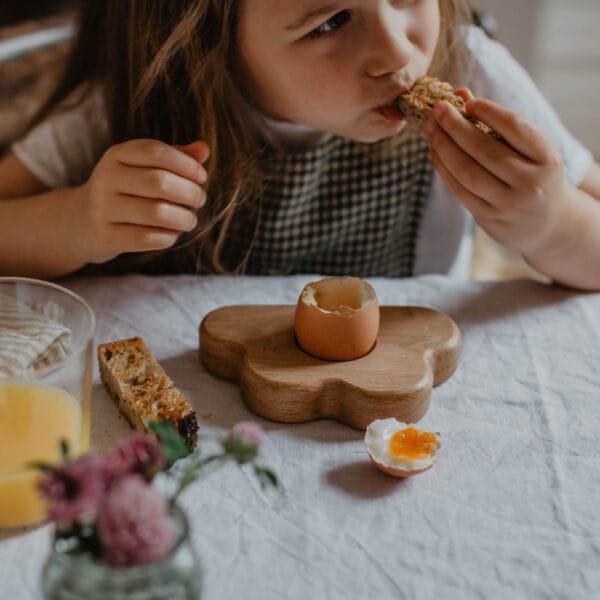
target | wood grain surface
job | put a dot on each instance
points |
(417, 348)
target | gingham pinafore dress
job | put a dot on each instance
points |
(343, 208)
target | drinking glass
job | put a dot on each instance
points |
(48, 403)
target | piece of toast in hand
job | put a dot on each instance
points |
(142, 390)
(417, 104)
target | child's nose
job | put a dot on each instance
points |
(388, 48)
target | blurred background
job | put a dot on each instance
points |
(557, 41)
(559, 44)
(34, 38)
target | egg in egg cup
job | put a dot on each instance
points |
(336, 354)
(337, 318)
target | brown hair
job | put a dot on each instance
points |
(168, 69)
(450, 59)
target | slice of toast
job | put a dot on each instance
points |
(142, 390)
(417, 104)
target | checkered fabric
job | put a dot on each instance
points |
(343, 208)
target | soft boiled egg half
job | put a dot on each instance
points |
(337, 318)
(399, 449)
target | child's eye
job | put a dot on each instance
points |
(331, 25)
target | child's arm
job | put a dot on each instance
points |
(141, 196)
(517, 191)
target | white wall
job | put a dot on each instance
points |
(568, 72)
(558, 41)
(518, 21)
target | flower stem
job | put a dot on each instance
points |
(193, 470)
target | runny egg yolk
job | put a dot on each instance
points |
(412, 443)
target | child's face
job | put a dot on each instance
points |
(336, 65)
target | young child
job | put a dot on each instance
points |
(260, 136)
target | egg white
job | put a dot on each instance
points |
(377, 441)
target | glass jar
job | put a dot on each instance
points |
(45, 389)
(68, 576)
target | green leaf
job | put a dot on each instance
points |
(173, 445)
(47, 467)
(78, 537)
(266, 477)
(64, 449)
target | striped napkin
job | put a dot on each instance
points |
(31, 336)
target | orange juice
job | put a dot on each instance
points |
(33, 420)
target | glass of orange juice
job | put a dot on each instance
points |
(46, 353)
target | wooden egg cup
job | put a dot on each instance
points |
(416, 349)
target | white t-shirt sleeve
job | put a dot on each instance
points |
(496, 75)
(63, 149)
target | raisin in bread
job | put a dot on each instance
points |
(142, 390)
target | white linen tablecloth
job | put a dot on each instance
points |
(511, 510)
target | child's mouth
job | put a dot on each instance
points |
(391, 112)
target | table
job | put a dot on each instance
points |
(511, 510)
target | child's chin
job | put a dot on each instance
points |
(373, 139)
(377, 135)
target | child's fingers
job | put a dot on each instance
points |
(472, 175)
(199, 150)
(135, 210)
(519, 133)
(158, 155)
(136, 238)
(494, 156)
(161, 185)
(464, 93)
(478, 207)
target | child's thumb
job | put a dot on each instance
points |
(197, 150)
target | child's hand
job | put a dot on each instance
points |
(515, 191)
(141, 196)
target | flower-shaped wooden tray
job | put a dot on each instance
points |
(416, 349)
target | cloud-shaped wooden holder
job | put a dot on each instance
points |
(417, 348)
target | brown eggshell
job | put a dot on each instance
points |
(344, 323)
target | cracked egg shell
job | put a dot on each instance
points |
(399, 449)
(337, 318)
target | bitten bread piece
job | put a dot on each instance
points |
(142, 390)
(417, 104)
